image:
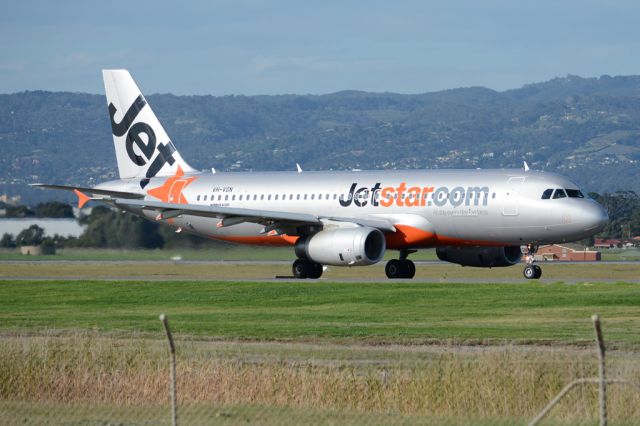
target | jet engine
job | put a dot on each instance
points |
(481, 257)
(343, 246)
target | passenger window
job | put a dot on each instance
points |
(269, 197)
(233, 197)
(198, 198)
(305, 196)
(559, 194)
(291, 196)
(240, 199)
(297, 196)
(261, 197)
(313, 196)
(205, 198)
(276, 198)
(574, 193)
(547, 194)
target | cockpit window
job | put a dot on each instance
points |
(574, 193)
(559, 194)
(547, 194)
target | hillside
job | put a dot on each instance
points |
(585, 128)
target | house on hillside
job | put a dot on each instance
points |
(617, 242)
(567, 252)
(606, 243)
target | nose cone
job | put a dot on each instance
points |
(595, 218)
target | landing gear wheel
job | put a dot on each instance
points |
(538, 272)
(316, 270)
(409, 269)
(393, 269)
(529, 272)
(304, 268)
(400, 268)
(300, 268)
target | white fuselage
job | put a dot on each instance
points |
(429, 208)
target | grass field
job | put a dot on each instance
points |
(374, 312)
(426, 351)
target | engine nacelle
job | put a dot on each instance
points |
(481, 257)
(343, 246)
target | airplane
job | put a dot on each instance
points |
(477, 218)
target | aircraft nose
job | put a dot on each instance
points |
(595, 218)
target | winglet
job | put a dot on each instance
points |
(526, 167)
(299, 168)
(82, 198)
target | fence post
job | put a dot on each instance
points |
(172, 348)
(601, 369)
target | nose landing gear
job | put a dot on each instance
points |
(531, 271)
(401, 268)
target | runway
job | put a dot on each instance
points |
(279, 271)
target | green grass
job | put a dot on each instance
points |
(314, 311)
(632, 254)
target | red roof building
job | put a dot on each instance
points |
(570, 253)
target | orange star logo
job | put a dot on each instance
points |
(171, 190)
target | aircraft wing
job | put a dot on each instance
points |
(169, 209)
(93, 191)
(233, 215)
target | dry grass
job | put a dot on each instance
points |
(433, 382)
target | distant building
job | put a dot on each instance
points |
(567, 252)
(37, 250)
(10, 201)
(607, 243)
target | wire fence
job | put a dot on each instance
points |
(90, 378)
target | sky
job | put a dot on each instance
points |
(251, 47)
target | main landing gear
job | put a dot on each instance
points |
(305, 268)
(531, 271)
(401, 268)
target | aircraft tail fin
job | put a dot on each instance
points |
(143, 148)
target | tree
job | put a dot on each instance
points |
(20, 211)
(7, 241)
(54, 209)
(32, 236)
(114, 229)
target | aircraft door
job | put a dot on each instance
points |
(175, 193)
(510, 205)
